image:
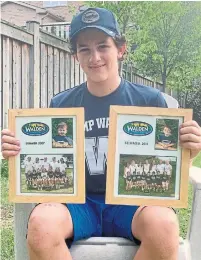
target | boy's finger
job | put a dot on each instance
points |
(10, 140)
(190, 129)
(7, 132)
(190, 123)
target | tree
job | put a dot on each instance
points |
(169, 36)
(166, 35)
(124, 12)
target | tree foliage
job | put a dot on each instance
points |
(192, 99)
(163, 38)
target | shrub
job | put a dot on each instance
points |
(4, 168)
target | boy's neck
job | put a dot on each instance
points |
(103, 88)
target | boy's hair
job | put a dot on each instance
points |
(119, 41)
(62, 125)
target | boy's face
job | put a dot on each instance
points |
(167, 131)
(98, 55)
(62, 131)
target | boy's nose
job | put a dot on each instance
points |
(94, 56)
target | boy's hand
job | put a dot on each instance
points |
(190, 137)
(10, 146)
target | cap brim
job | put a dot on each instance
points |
(108, 32)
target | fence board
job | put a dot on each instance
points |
(16, 33)
(77, 73)
(1, 89)
(17, 69)
(62, 72)
(25, 76)
(5, 76)
(54, 41)
(50, 73)
(67, 67)
(44, 77)
(56, 71)
(72, 67)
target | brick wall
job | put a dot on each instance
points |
(63, 11)
(17, 14)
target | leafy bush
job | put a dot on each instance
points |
(4, 168)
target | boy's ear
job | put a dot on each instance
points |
(121, 51)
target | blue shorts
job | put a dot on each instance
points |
(96, 219)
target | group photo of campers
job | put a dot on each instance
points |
(166, 134)
(46, 173)
(147, 175)
(62, 133)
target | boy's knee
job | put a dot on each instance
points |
(159, 229)
(42, 232)
(47, 230)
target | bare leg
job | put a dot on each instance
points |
(49, 225)
(158, 230)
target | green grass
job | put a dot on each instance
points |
(7, 231)
(184, 214)
(197, 161)
(24, 189)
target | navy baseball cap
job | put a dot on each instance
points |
(99, 18)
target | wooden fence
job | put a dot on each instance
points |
(36, 65)
(61, 30)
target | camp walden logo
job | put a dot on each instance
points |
(137, 128)
(35, 129)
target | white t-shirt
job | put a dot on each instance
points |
(55, 165)
(127, 170)
(168, 168)
(28, 166)
(45, 165)
(132, 168)
(62, 167)
(139, 169)
(37, 166)
(146, 167)
(161, 168)
(153, 168)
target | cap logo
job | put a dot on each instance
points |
(90, 16)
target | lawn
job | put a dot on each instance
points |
(7, 237)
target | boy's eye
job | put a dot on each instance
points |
(103, 46)
(83, 50)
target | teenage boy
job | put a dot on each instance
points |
(98, 46)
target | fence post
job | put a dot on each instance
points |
(34, 87)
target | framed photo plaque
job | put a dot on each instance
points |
(146, 165)
(50, 165)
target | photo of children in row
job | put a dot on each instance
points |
(167, 134)
(147, 175)
(47, 173)
(62, 133)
